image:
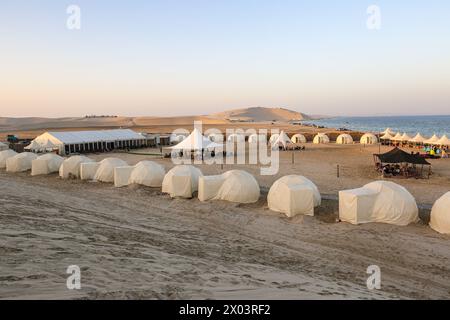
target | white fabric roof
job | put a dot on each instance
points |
(196, 141)
(444, 141)
(282, 139)
(432, 140)
(74, 137)
(418, 138)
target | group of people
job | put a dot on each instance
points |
(393, 170)
(435, 151)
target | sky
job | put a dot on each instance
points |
(188, 57)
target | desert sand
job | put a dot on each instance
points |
(136, 242)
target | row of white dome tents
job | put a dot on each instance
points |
(379, 201)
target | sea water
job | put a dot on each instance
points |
(426, 125)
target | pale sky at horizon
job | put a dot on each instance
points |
(187, 57)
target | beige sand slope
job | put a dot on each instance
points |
(260, 114)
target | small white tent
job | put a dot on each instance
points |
(440, 215)
(379, 201)
(273, 138)
(433, 140)
(46, 164)
(344, 138)
(293, 195)
(321, 138)
(235, 137)
(235, 186)
(3, 146)
(216, 137)
(257, 138)
(20, 162)
(368, 138)
(282, 140)
(71, 166)
(105, 170)
(298, 138)
(146, 173)
(181, 181)
(4, 155)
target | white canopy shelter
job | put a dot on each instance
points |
(235, 186)
(344, 138)
(443, 141)
(368, 138)
(397, 137)
(181, 181)
(293, 195)
(388, 131)
(405, 137)
(70, 168)
(433, 140)
(386, 136)
(4, 155)
(321, 138)
(379, 201)
(298, 138)
(440, 215)
(196, 141)
(20, 162)
(46, 164)
(146, 173)
(418, 139)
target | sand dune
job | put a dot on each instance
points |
(260, 114)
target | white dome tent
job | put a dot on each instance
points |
(273, 138)
(321, 138)
(379, 201)
(3, 146)
(282, 140)
(344, 138)
(46, 164)
(440, 215)
(298, 138)
(20, 162)
(4, 155)
(102, 171)
(235, 186)
(146, 173)
(368, 138)
(235, 137)
(181, 181)
(71, 166)
(294, 195)
(216, 137)
(257, 138)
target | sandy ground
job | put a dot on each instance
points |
(135, 242)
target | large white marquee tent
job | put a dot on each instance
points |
(68, 142)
